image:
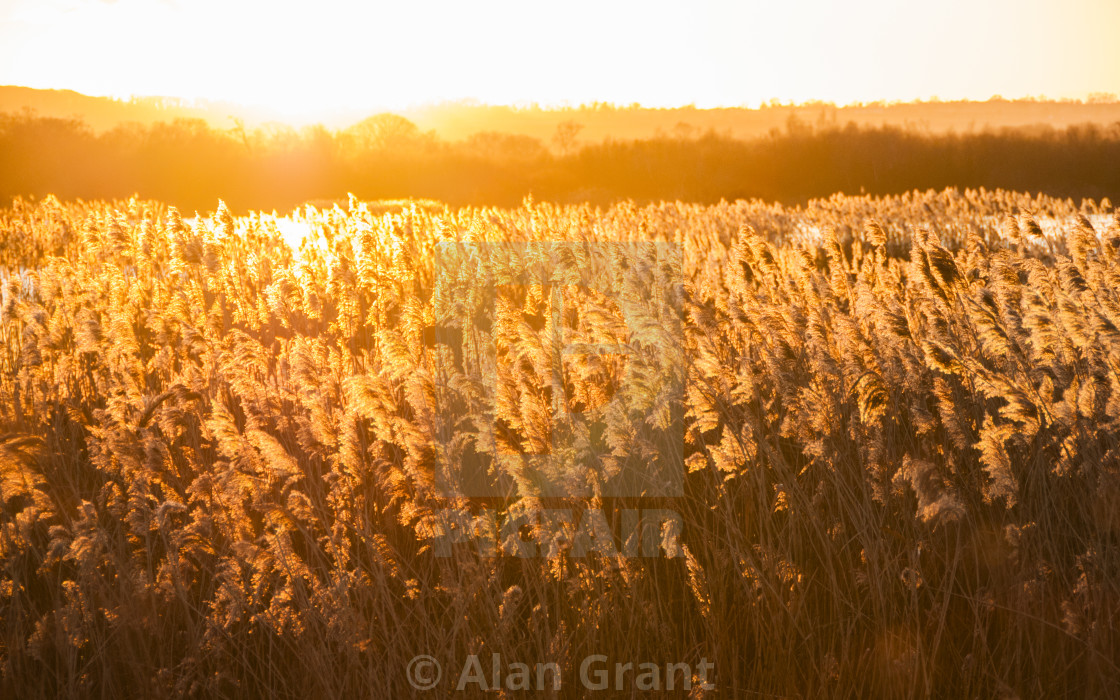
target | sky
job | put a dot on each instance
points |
(306, 60)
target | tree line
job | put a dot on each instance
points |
(191, 165)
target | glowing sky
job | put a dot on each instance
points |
(311, 58)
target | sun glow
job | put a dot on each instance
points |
(304, 61)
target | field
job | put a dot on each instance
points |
(865, 447)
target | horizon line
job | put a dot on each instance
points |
(200, 102)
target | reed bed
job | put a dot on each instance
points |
(227, 462)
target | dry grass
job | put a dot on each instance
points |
(220, 466)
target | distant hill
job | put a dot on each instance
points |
(102, 113)
(595, 123)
